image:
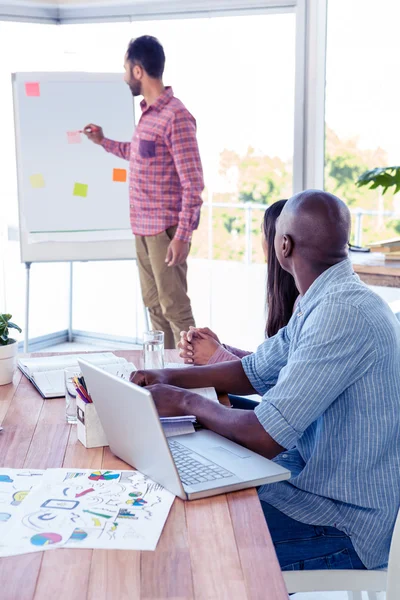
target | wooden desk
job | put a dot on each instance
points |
(212, 548)
(374, 270)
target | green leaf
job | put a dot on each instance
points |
(384, 177)
(14, 326)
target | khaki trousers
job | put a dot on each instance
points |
(164, 289)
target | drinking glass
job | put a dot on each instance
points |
(70, 394)
(153, 349)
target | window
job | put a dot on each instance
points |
(362, 110)
(236, 75)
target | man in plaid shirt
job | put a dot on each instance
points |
(165, 185)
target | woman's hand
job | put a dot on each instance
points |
(202, 332)
(198, 345)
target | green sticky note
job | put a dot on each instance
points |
(80, 189)
(37, 181)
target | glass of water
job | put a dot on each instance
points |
(153, 349)
(70, 394)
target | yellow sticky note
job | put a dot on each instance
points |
(80, 189)
(37, 181)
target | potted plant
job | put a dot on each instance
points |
(8, 349)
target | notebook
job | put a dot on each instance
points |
(47, 373)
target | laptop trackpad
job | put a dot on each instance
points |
(231, 454)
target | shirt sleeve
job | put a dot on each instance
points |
(222, 355)
(237, 351)
(331, 353)
(263, 366)
(120, 149)
(182, 144)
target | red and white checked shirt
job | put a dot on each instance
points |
(165, 172)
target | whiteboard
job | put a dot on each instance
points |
(72, 197)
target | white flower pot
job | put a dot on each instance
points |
(8, 362)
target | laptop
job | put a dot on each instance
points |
(191, 466)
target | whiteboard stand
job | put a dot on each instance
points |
(70, 300)
(146, 317)
(71, 283)
(26, 339)
(27, 299)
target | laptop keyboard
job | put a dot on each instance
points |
(194, 468)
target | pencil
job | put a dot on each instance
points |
(82, 392)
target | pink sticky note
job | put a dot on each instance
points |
(32, 89)
(74, 137)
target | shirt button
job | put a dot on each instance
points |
(284, 455)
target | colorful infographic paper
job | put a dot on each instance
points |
(15, 485)
(72, 508)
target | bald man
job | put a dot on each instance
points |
(330, 410)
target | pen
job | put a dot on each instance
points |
(88, 130)
(86, 401)
(81, 391)
(82, 382)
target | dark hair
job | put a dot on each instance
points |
(281, 289)
(147, 52)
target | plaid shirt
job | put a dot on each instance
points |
(165, 173)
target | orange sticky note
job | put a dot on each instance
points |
(32, 89)
(119, 175)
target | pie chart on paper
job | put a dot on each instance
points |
(45, 539)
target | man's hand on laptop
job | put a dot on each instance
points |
(145, 378)
(170, 401)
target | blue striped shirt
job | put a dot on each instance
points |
(330, 382)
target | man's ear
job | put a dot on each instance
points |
(287, 246)
(137, 72)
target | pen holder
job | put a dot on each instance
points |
(89, 429)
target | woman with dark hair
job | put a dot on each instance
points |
(201, 346)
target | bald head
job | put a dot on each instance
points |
(316, 227)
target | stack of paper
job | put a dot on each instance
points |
(182, 425)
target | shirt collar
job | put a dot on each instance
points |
(161, 101)
(336, 274)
